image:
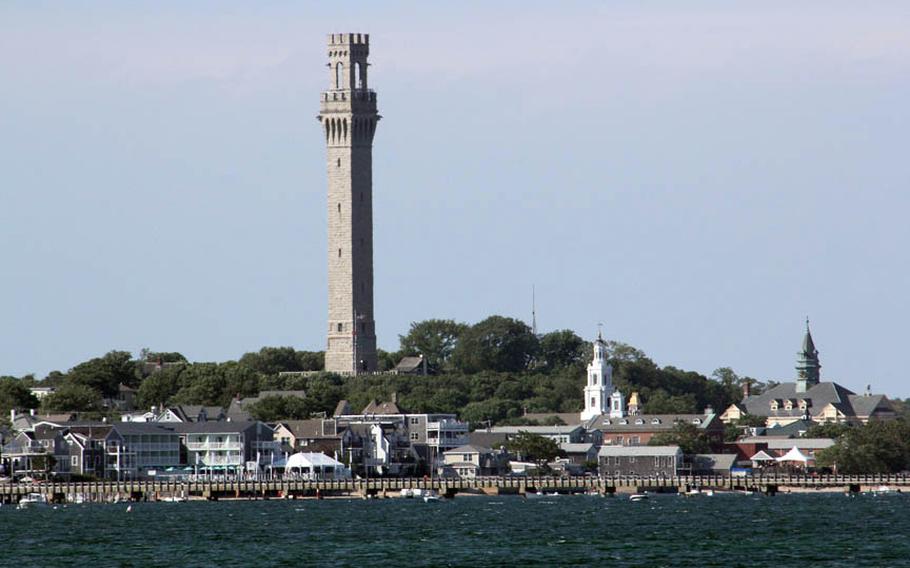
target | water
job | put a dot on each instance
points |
(724, 530)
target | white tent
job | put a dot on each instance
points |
(794, 455)
(315, 465)
(760, 458)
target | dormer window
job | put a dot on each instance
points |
(655, 421)
(788, 405)
(775, 404)
(803, 404)
(696, 421)
(639, 421)
(623, 421)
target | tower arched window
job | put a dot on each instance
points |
(358, 73)
(339, 75)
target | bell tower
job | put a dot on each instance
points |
(599, 386)
(348, 116)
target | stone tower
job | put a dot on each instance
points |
(348, 116)
(807, 364)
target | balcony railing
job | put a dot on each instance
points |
(197, 446)
(450, 425)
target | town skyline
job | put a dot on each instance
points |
(720, 205)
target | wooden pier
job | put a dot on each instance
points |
(390, 487)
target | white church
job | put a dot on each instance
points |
(601, 398)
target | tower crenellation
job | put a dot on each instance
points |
(349, 117)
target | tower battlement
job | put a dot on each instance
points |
(341, 40)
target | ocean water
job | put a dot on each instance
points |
(667, 530)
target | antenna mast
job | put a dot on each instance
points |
(533, 311)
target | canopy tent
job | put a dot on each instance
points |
(761, 458)
(311, 464)
(794, 455)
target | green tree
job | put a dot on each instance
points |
(876, 447)
(479, 413)
(158, 388)
(495, 344)
(687, 436)
(561, 349)
(105, 374)
(533, 447)
(435, 339)
(14, 394)
(73, 397)
(273, 408)
(272, 360)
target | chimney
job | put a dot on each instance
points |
(31, 411)
(709, 409)
(12, 414)
(747, 389)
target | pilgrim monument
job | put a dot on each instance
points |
(348, 116)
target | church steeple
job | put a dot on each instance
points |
(599, 385)
(807, 365)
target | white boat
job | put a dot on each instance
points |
(174, 499)
(408, 493)
(430, 495)
(32, 500)
(638, 497)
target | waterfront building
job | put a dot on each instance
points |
(349, 118)
(314, 435)
(387, 438)
(639, 460)
(135, 449)
(474, 461)
(637, 430)
(227, 445)
(563, 434)
(810, 398)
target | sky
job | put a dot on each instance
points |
(698, 178)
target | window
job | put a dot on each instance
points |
(615, 460)
(415, 420)
(634, 440)
(340, 327)
(631, 459)
(338, 163)
(656, 461)
(592, 401)
(339, 208)
(339, 253)
(74, 461)
(414, 436)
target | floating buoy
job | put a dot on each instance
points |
(129, 508)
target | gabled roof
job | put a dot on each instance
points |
(409, 364)
(342, 408)
(468, 449)
(210, 427)
(382, 408)
(819, 396)
(714, 462)
(309, 429)
(762, 455)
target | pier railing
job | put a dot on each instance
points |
(227, 487)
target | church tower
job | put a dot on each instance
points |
(599, 387)
(808, 367)
(348, 116)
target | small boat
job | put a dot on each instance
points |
(408, 493)
(430, 495)
(33, 499)
(638, 497)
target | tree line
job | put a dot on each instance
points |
(494, 371)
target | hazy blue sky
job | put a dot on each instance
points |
(699, 179)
